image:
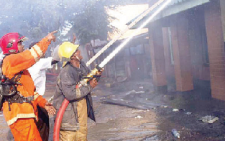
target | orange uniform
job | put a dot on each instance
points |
(25, 130)
(19, 113)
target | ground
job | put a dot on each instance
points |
(134, 111)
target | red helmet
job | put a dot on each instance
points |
(9, 42)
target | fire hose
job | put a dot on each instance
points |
(65, 103)
(105, 61)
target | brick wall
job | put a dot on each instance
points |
(216, 51)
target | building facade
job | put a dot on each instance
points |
(186, 42)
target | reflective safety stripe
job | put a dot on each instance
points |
(35, 95)
(38, 49)
(78, 92)
(34, 54)
(32, 115)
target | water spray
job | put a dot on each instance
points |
(65, 103)
(121, 46)
(111, 55)
(125, 30)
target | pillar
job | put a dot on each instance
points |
(157, 56)
(215, 39)
(181, 52)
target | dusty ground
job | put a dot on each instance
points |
(155, 112)
(133, 111)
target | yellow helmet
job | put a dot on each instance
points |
(66, 50)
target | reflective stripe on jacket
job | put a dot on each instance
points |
(14, 64)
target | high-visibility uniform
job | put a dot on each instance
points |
(14, 64)
(25, 130)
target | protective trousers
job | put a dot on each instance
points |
(25, 129)
(81, 134)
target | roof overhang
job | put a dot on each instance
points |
(176, 6)
(180, 7)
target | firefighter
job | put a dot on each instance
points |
(20, 109)
(74, 122)
(38, 74)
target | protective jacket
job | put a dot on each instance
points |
(66, 88)
(17, 63)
